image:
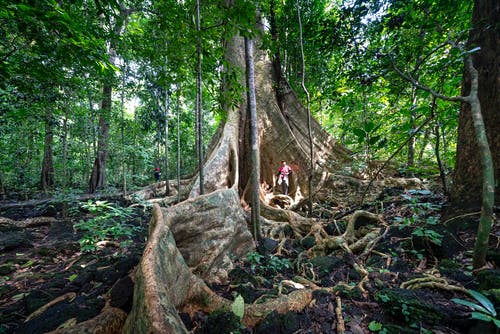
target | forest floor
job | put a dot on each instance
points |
(47, 281)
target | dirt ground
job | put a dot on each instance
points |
(46, 281)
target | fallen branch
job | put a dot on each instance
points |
(39, 311)
(340, 318)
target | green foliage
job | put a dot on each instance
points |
(55, 58)
(483, 308)
(424, 216)
(267, 264)
(376, 326)
(107, 222)
(238, 306)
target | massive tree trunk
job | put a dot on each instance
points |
(467, 178)
(194, 241)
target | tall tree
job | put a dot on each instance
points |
(467, 177)
(98, 176)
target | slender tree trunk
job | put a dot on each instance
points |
(254, 140)
(178, 146)
(425, 141)
(410, 158)
(65, 148)
(47, 175)
(199, 112)
(2, 188)
(437, 144)
(167, 169)
(308, 110)
(98, 176)
(122, 129)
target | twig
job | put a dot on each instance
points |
(340, 318)
(461, 216)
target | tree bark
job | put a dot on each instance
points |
(199, 104)
(47, 175)
(254, 140)
(308, 111)
(467, 177)
(98, 176)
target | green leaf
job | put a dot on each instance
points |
(374, 326)
(484, 301)
(470, 304)
(481, 316)
(369, 126)
(238, 306)
(360, 133)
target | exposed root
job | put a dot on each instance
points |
(318, 232)
(204, 299)
(109, 321)
(299, 225)
(352, 240)
(281, 244)
(433, 282)
(69, 295)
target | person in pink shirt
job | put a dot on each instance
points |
(283, 172)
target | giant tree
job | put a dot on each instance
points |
(213, 227)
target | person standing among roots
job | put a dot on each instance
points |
(157, 174)
(283, 172)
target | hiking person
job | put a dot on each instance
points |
(283, 172)
(157, 174)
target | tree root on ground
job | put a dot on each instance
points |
(432, 281)
(166, 285)
(275, 219)
(361, 240)
(353, 240)
(109, 321)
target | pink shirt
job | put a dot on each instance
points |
(285, 170)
